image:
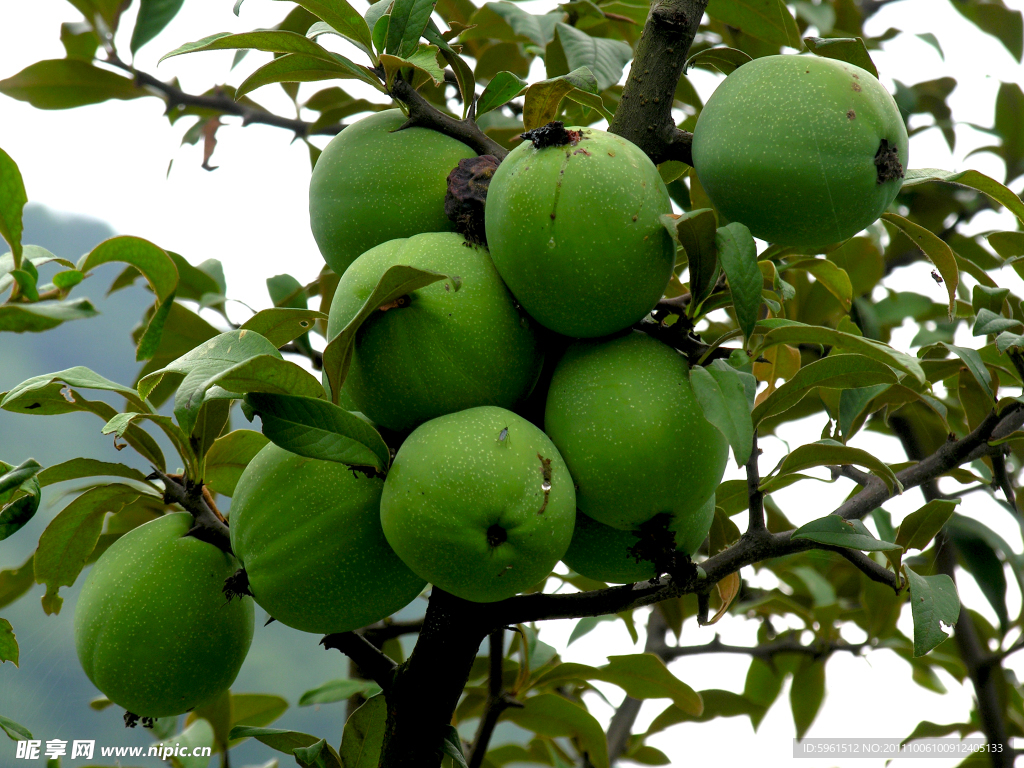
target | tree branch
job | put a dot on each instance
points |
(425, 115)
(498, 701)
(755, 519)
(621, 726)
(208, 525)
(371, 660)
(221, 102)
(764, 651)
(644, 115)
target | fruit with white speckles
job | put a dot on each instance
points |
(575, 232)
(479, 503)
(625, 419)
(153, 629)
(374, 183)
(804, 151)
(442, 350)
(308, 533)
(601, 552)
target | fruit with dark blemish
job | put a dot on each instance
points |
(374, 183)
(442, 351)
(308, 533)
(575, 232)
(477, 517)
(601, 552)
(625, 419)
(153, 628)
(804, 151)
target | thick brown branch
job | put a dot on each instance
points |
(644, 115)
(221, 102)
(372, 661)
(755, 498)
(208, 525)
(425, 115)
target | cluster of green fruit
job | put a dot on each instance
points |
(480, 501)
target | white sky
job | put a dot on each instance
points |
(110, 161)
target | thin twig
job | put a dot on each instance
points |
(497, 701)
(373, 662)
(208, 525)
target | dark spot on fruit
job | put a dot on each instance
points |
(855, 76)
(237, 585)
(656, 543)
(554, 134)
(496, 535)
(582, 151)
(401, 301)
(634, 217)
(545, 486)
(147, 722)
(887, 162)
(130, 719)
(851, 115)
(467, 191)
(855, 86)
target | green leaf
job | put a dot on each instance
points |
(919, 527)
(12, 202)
(70, 537)
(452, 747)
(548, 714)
(972, 179)
(202, 368)
(318, 755)
(694, 231)
(15, 731)
(152, 261)
(975, 365)
(768, 20)
(320, 430)
(833, 372)
(338, 690)
(793, 333)
(933, 599)
(19, 496)
(122, 424)
(256, 709)
(544, 97)
(826, 453)
(605, 58)
(199, 734)
(153, 16)
(645, 676)
(937, 250)
(738, 257)
(37, 394)
(717, 703)
(463, 72)
(396, 282)
(834, 530)
(502, 88)
(228, 458)
(831, 276)
(76, 469)
(423, 59)
(67, 83)
(988, 322)
(722, 397)
(301, 68)
(979, 559)
(408, 20)
(849, 49)
(279, 325)
(278, 738)
(149, 342)
(34, 318)
(8, 643)
(722, 59)
(806, 694)
(266, 373)
(363, 736)
(996, 19)
(15, 582)
(343, 18)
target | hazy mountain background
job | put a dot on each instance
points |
(50, 694)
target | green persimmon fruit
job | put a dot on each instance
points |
(625, 419)
(153, 629)
(575, 232)
(442, 350)
(373, 183)
(805, 151)
(479, 503)
(308, 533)
(601, 552)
